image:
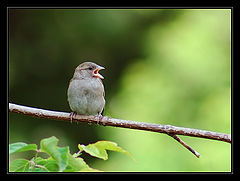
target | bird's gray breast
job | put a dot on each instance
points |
(85, 96)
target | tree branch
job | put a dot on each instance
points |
(172, 131)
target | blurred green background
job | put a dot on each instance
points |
(166, 66)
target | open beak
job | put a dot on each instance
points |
(96, 74)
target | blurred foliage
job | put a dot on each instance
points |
(59, 158)
(166, 66)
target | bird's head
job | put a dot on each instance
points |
(89, 69)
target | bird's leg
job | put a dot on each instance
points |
(99, 117)
(105, 120)
(71, 115)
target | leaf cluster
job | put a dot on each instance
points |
(59, 158)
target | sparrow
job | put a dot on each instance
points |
(86, 91)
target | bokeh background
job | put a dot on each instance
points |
(165, 66)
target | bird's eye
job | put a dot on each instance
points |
(90, 68)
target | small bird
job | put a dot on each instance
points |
(86, 91)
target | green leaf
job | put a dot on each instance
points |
(99, 148)
(20, 147)
(50, 164)
(19, 165)
(38, 169)
(77, 164)
(40, 161)
(63, 159)
(49, 145)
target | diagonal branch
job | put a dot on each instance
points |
(172, 131)
(185, 145)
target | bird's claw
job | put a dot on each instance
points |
(99, 118)
(102, 120)
(71, 115)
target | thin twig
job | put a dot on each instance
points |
(172, 131)
(185, 145)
